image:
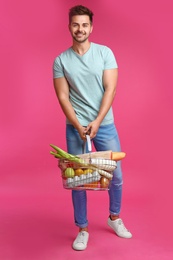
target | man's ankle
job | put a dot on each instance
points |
(83, 229)
(114, 217)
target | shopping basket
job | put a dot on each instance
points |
(90, 174)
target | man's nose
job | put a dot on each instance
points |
(80, 29)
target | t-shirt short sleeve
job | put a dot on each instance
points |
(109, 59)
(58, 71)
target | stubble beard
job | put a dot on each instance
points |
(80, 40)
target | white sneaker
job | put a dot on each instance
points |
(119, 228)
(80, 243)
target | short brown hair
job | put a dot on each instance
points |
(80, 10)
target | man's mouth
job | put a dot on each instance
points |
(79, 34)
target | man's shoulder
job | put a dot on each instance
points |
(100, 47)
(97, 45)
(105, 53)
(64, 53)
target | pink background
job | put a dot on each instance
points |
(36, 219)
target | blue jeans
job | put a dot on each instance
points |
(106, 139)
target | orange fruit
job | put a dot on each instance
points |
(78, 172)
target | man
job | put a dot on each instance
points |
(85, 79)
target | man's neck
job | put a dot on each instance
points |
(81, 48)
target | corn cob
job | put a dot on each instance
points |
(83, 179)
(104, 164)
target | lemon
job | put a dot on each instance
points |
(87, 171)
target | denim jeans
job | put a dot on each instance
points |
(106, 139)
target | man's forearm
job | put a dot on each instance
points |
(106, 104)
(69, 113)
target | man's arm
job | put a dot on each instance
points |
(110, 78)
(62, 91)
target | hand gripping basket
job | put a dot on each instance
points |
(89, 174)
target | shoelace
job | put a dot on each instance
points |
(80, 238)
(121, 224)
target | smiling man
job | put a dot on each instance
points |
(85, 79)
(80, 28)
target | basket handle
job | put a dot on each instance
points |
(89, 143)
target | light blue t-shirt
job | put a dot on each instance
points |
(84, 75)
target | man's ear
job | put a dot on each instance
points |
(91, 29)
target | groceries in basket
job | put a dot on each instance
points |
(92, 171)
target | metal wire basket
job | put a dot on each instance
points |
(91, 174)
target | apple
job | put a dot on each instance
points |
(69, 173)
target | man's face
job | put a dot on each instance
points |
(80, 28)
